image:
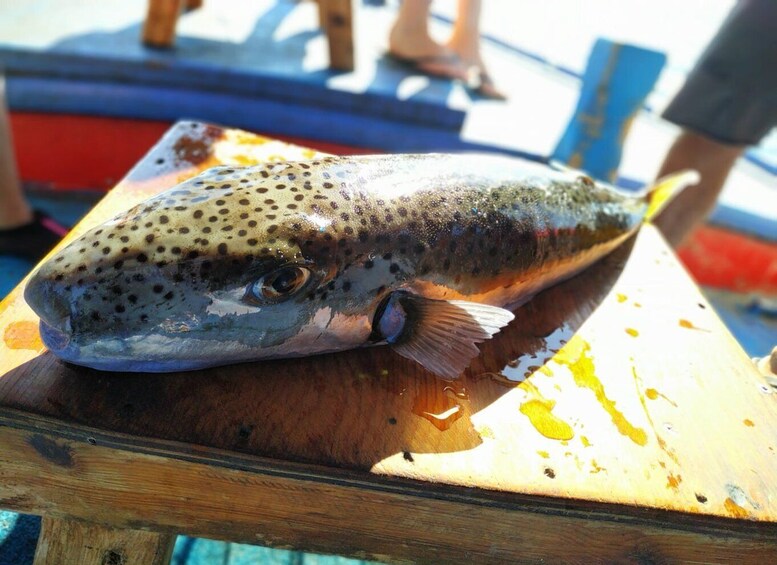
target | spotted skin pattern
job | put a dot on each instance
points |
(165, 286)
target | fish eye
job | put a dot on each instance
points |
(279, 284)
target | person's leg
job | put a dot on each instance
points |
(24, 232)
(465, 41)
(714, 161)
(409, 40)
(14, 210)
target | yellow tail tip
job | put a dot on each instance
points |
(666, 188)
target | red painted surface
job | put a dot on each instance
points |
(66, 151)
(725, 259)
(76, 152)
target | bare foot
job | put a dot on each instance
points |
(479, 78)
(414, 47)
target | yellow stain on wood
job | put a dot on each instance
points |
(545, 370)
(584, 441)
(637, 305)
(23, 335)
(539, 410)
(485, 431)
(596, 468)
(687, 324)
(748, 422)
(243, 138)
(735, 509)
(673, 481)
(653, 394)
(632, 332)
(621, 297)
(543, 454)
(575, 355)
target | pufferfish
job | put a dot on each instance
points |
(427, 254)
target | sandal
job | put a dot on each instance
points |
(433, 65)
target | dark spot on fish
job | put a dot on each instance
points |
(106, 250)
(213, 219)
(119, 308)
(175, 250)
(95, 316)
(394, 268)
(368, 264)
(118, 265)
(192, 255)
(163, 219)
(252, 242)
(158, 288)
(346, 286)
(222, 248)
(183, 230)
(198, 214)
(177, 277)
(168, 296)
(132, 298)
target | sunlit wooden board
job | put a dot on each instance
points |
(616, 403)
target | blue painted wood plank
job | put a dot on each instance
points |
(163, 69)
(258, 114)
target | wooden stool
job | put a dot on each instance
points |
(640, 432)
(336, 18)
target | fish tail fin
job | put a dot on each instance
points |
(665, 189)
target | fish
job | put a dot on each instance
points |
(427, 254)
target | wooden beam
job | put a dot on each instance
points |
(134, 484)
(72, 541)
(161, 19)
(336, 18)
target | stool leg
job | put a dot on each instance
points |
(193, 4)
(159, 28)
(336, 18)
(72, 541)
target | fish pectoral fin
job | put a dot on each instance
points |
(442, 334)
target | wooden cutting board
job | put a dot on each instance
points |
(615, 419)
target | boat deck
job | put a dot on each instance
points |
(262, 66)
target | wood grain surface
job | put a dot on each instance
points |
(616, 401)
(69, 541)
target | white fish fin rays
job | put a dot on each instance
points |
(444, 333)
